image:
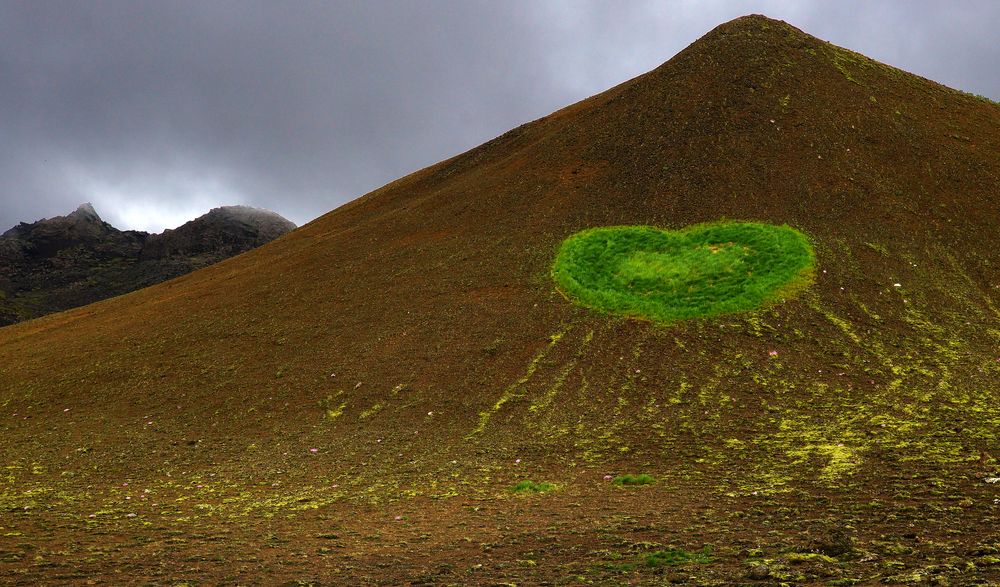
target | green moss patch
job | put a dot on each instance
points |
(641, 479)
(678, 556)
(666, 276)
(529, 486)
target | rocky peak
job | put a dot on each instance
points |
(46, 237)
(85, 212)
(227, 228)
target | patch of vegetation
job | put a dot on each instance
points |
(517, 388)
(801, 557)
(331, 409)
(641, 479)
(528, 486)
(878, 248)
(678, 556)
(371, 411)
(666, 276)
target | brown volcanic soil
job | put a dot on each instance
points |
(267, 419)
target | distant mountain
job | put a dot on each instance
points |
(225, 231)
(68, 261)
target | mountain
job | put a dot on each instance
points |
(354, 403)
(223, 232)
(68, 261)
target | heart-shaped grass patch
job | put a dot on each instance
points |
(701, 270)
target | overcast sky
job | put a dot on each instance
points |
(157, 111)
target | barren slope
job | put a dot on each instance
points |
(408, 353)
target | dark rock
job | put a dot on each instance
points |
(759, 572)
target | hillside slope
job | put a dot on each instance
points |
(59, 263)
(411, 345)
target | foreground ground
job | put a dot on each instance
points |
(902, 530)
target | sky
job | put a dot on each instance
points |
(157, 111)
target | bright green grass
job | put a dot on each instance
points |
(666, 276)
(641, 479)
(529, 486)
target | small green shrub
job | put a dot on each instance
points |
(666, 276)
(642, 479)
(528, 486)
(678, 556)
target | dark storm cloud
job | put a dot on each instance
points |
(292, 106)
(156, 111)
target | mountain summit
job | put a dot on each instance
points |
(85, 211)
(363, 396)
(50, 235)
(229, 229)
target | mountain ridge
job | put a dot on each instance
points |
(67, 261)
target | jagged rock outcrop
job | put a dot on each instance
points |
(59, 263)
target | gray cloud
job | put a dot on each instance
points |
(157, 111)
